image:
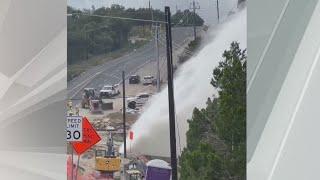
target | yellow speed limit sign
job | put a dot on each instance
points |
(74, 128)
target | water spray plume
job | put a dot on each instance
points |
(191, 87)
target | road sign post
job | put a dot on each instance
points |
(81, 136)
(77, 167)
(74, 134)
(71, 160)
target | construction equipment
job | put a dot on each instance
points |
(95, 106)
(106, 104)
(106, 161)
(88, 93)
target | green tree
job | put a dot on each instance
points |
(201, 163)
(217, 134)
(198, 127)
(186, 18)
(229, 78)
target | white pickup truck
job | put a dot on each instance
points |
(109, 91)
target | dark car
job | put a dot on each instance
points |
(134, 79)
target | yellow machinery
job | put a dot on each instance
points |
(105, 160)
(107, 164)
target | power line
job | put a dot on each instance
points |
(117, 17)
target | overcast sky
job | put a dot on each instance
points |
(207, 7)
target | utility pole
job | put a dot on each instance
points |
(157, 26)
(194, 7)
(87, 46)
(124, 115)
(218, 13)
(156, 47)
(172, 127)
(151, 14)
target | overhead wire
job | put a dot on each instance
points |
(118, 17)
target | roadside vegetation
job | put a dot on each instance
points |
(186, 18)
(216, 139)
(94, 40)
(190, 50)
(76, 69)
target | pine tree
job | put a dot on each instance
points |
(216, 139)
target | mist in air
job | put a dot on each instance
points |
(191, 88)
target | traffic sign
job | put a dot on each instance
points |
(74, 128)
(90, 138)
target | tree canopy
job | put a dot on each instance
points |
(186, 18)
(216, 139)
(91, 35)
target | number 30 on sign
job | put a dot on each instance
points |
(74, 128)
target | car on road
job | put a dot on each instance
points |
(108, 91)
(147, 80)
(134, 79)
(140, 99)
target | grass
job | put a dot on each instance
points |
(75, 70)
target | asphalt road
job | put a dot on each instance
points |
(111, 71)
